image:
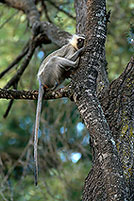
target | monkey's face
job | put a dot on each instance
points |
(80, 42)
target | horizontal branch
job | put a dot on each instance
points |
(33, 94)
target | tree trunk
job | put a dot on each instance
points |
(112, 174)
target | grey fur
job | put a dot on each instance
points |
(53, 70)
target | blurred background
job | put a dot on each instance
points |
(64, 154)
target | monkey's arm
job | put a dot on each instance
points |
(75, 56)
(68, 64)
(38, 112)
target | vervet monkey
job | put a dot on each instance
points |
(52, 72)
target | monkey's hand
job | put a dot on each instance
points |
(82, 50)
(78, 53)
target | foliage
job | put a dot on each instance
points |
(118, 49)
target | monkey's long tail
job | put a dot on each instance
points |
(38, 112)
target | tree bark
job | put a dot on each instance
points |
(118, 105)
(106, 180)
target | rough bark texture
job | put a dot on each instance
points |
(55, 34)
(106, 180)
(81, 20)
(81, 15)
(33, 95)
(118, 105)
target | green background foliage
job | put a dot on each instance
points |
(64, 154)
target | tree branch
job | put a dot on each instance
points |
(60, 9)
(14, 80)
(112, 100)
(2, 25)
(41, 38)
(107, 170)
(29, 8)
(56, 35)
(119, 100)
(10, 104)
(52, 32)
(16, 61)
(46, 11)
(8, 108)
(33, 94)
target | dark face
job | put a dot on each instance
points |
(80, 43)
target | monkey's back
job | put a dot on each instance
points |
(49, 72)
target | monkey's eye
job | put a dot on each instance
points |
(80, 43)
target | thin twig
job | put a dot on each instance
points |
(6, 21)
(21, 70)
(62, 10)
(17, 60)
(8, 108)
(15, 164)
(36, 41)
(10, 104)
(2, 195)
(46, 11)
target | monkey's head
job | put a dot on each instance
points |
(77, 41)
(80, 42)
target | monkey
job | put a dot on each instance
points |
(55, 68)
